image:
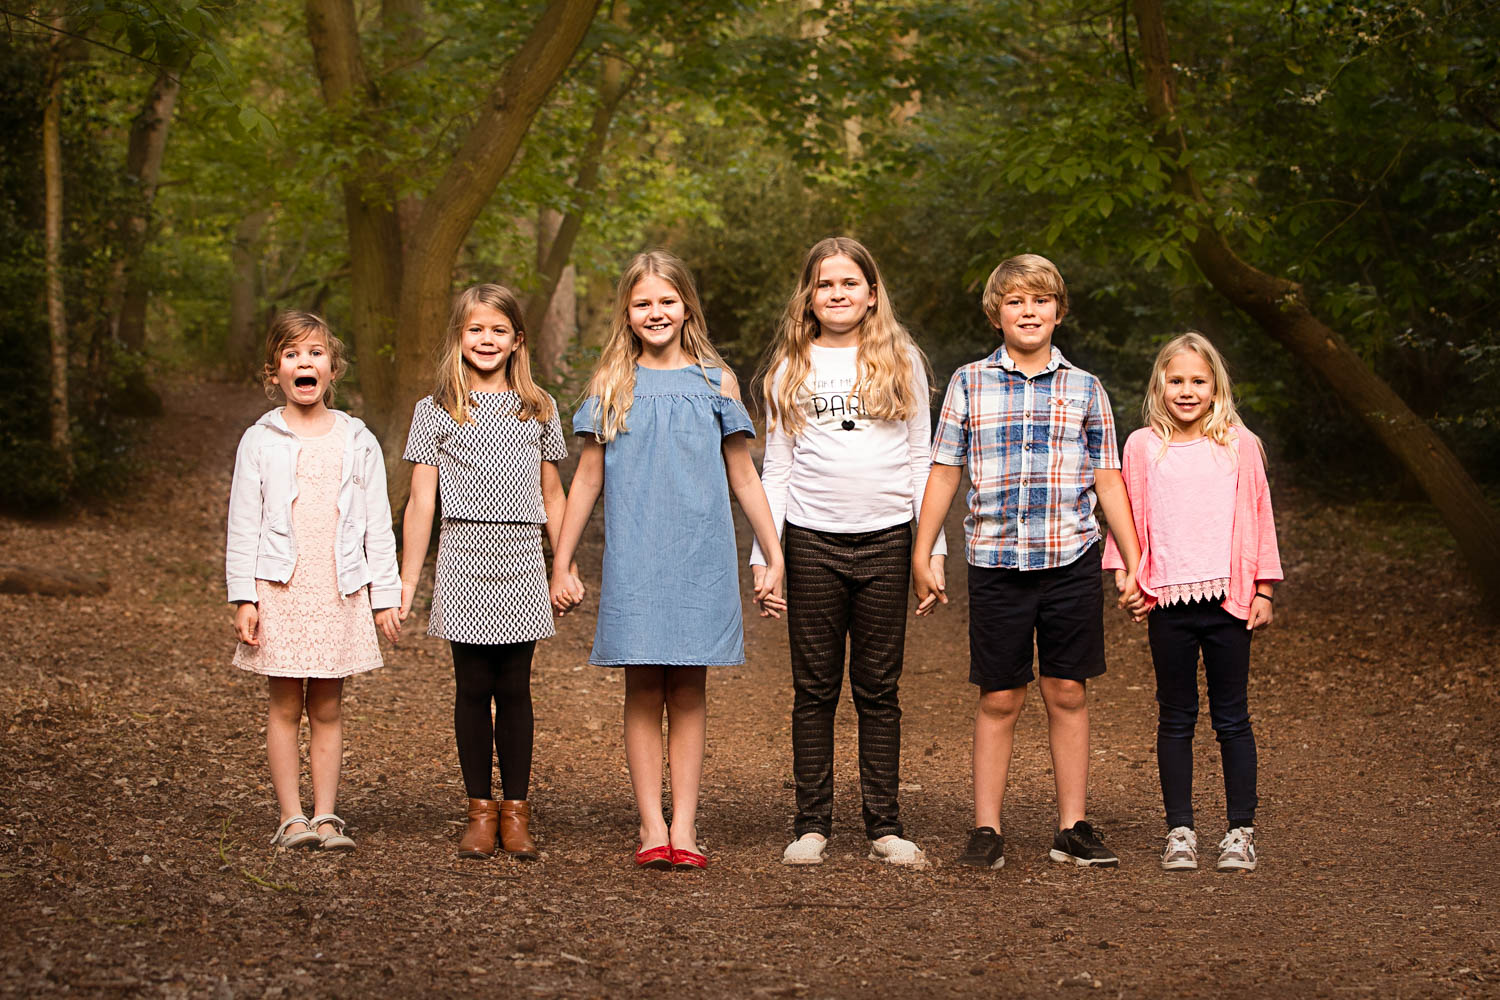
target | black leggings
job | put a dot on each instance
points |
(502, 675)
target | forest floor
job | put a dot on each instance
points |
(135, 802)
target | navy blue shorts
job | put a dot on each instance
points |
(1061, 609)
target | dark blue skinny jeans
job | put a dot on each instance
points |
(1178, 633)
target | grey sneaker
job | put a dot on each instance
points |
(1181, 853)
(1080, 845)
(986, 849)
(1237, 850)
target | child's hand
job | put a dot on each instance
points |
(576, 582)
(768, 590)
(937, 564)
(247, 623)
(408, 594)
(388, 620)
(1260, 614)
(567, 592)
(1132, 601)
(930, 590)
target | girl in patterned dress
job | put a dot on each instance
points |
(487, 442)
(665, 443)
(847, 455)
(310, 551)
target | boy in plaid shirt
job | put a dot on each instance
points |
(1038, 438)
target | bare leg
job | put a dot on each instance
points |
(645, 698)
(283, 722)
(326, 745)
(687, 722)
(1068, 735)
(994, 734)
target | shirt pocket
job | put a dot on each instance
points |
(1066, 414)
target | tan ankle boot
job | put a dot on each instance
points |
(515, 829)
(479, 836)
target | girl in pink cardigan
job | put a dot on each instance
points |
(1202, 509)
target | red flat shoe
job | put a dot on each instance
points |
(689, 861)
(655, 858)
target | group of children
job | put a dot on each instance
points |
(847, 515)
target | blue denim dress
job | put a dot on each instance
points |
(670, 593)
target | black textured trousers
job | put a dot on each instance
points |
(498, 675)
(854, 586)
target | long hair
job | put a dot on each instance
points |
(289, 328)
(613, 380)
(1222, 416)
(452, 392)
(883, 359)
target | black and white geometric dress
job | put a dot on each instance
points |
(491, 579)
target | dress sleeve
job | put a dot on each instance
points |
(554, 447)
(586, 420)
(421, 440)
(733, 417)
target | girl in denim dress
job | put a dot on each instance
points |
(665, 443)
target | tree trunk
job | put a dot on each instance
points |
(129, 293)
(552, 331)
(1281, 309)
(244, 285)
(57, 314)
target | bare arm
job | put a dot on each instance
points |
(942, 487)
(1109, 485)
(588, 483)
(416, 531)
(743, 481)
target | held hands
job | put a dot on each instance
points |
(567, 589)
(929, 581)
(247, 623)
(768, 580)
(388, 620)
(1131, 601)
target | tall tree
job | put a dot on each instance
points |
(1282, 310)
(57, 309)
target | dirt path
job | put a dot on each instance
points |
(135, 803)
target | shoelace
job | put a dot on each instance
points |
(1235, 841)
(1178, 844)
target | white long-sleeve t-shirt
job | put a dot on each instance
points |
(844, 471)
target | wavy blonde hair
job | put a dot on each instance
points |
(292, 327)
(1222, 417)
(883, 360)
(613, 380)
(452, 392)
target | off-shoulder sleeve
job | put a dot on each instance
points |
(586, 420)
(421, 440)
(554, 447)
(733, 417)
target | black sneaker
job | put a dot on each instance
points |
(1081, 845)
(986, 849)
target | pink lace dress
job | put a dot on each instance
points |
(307, 628)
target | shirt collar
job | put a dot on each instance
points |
(1001, 359)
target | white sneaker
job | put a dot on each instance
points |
(1237, 850)
(1181, 853)
(805, 850)
(893, 850)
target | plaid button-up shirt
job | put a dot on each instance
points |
(1031, 446)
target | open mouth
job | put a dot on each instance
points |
(305, 382)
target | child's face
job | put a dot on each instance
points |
(304, 372)
(1189, 389)
(842, 298)
(656, 313)
(489, 339)
(1027, 320)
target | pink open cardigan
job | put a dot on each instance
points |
(1253, 554)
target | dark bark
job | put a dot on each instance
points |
(130, 293)
(1281, 309)
(57, 314)
(244, 289)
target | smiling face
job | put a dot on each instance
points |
(1188, 391)
(656, 313)
(1027, 319)
(304, 371)
(842, 298)
(487, 341)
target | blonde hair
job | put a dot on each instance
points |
(883, 359)
(1222, 417)
(1027, 272)
(452, 392)
(292, 327)
(613, 380)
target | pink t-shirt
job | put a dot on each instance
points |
(1191, 494)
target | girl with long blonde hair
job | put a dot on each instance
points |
(1207, 576)
(664, 434)
(487, 441)
(846, 463)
